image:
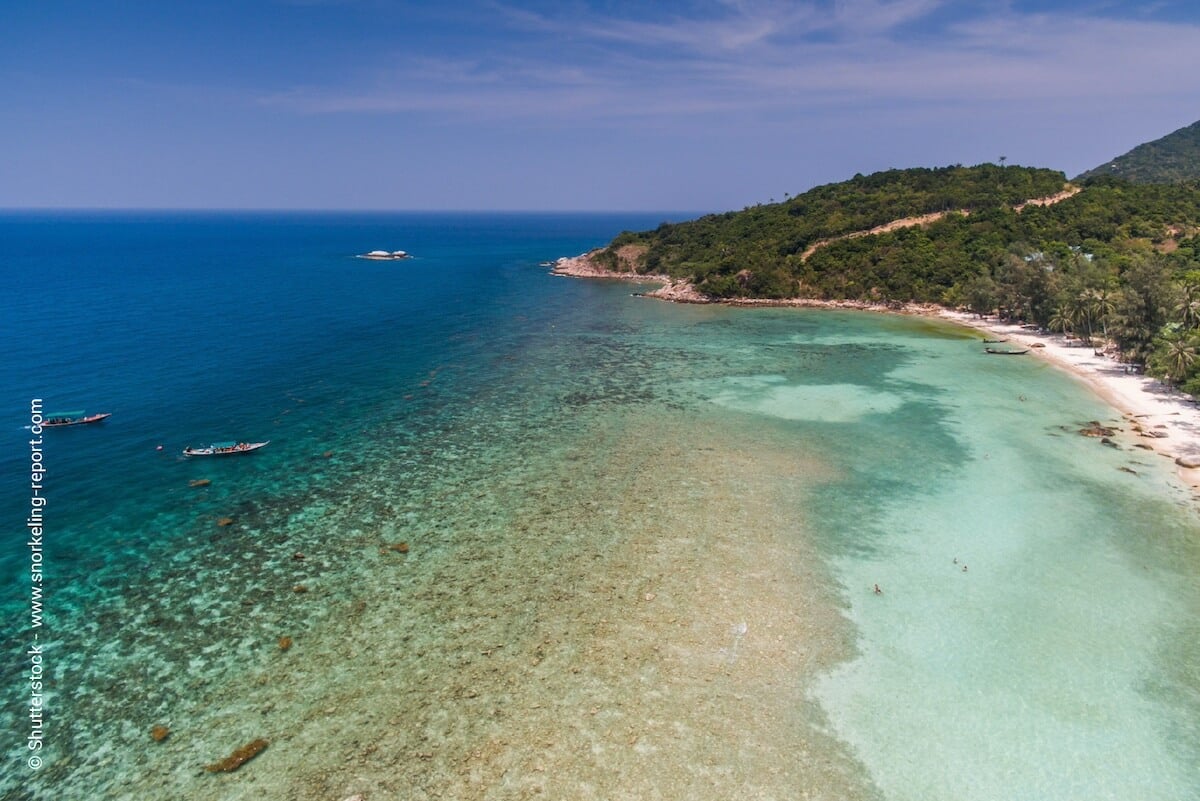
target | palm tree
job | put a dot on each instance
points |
(1102, 304)
(1179, 358)
(1079, 308)
(1189, 306)
(1060, 320)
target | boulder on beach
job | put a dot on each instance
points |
(1188, 460)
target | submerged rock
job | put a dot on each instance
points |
(1095, 429)
(160, 733)
(239, 757)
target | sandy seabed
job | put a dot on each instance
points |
(645, 624)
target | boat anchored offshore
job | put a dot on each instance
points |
(224, 448)
(385, 255)
(60, 419)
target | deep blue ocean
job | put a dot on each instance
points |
(199, 327)
(518, 535)
(192, 328)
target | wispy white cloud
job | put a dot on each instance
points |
(732, 26)
(731, 32)
(744, 56)
(880, 16)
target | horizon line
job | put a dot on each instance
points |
(319, 210)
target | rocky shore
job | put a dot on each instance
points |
(682, 291)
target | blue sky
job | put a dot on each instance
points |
(385, 104)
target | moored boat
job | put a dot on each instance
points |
(224, 448)
(60, 419)
(998, 352)
(385, 255)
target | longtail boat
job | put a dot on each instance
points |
(60, 419)
(224, 448)
(999, 352)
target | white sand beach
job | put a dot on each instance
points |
(1166, 420)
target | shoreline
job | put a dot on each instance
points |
(1160, 418)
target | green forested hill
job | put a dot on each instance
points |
(1116, 256)
(758, 252)
(1173, 158)
(761, 251)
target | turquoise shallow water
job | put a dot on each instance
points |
(641, 538)
(1038, 604)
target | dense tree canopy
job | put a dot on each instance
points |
(1171, 159)
(1116, 260)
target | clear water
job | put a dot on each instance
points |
(641, 538)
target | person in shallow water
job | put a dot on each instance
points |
(877, 590)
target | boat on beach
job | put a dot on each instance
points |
(224, 448)
(61, 419)
(999, 352)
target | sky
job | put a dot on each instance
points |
(569, 105)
